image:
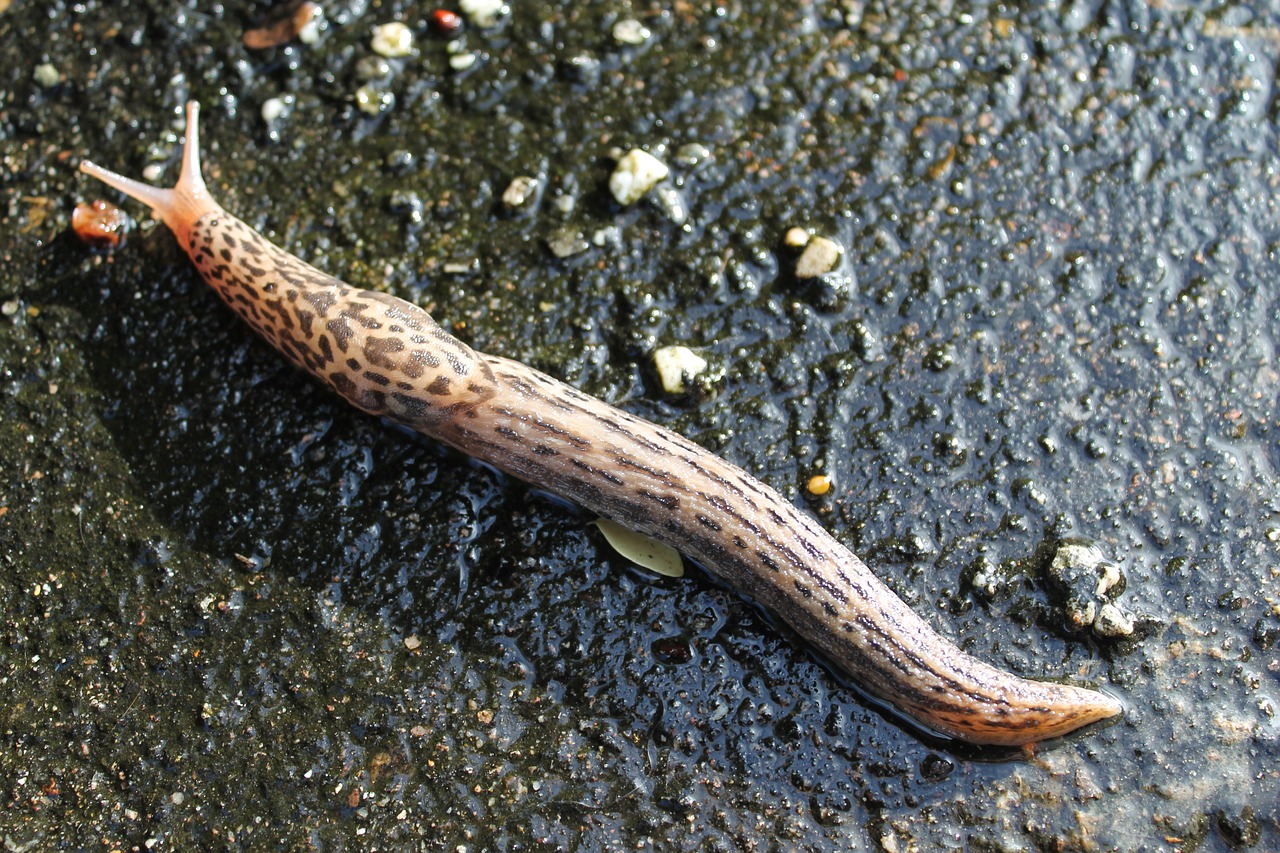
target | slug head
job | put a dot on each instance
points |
(181, 206)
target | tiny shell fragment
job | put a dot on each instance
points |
(818, 258)
(281, 31)
(99, 224)
(674, 364)
(637, 172)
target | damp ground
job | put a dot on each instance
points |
(1042, 378)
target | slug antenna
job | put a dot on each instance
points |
(183, 205)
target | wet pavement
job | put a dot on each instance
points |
(1042, 378)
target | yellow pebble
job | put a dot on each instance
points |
(819, 484)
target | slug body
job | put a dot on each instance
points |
(389, 358)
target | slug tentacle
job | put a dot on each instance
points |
(182, 205)
(388, 357)
(383, 354)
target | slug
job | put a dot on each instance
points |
(389, 358)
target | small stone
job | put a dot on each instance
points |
(565, 203)
(819, 484)
(675, 364)
(412, 642)
(1109, 576)
(566, 242)
(519, 192)
(303, 23)
(819, 257)
(399, 161)
(46, 75)
(610, 235)
(272, 109)
(1081, 613)
(98, 224)
(392, 40)
(630, 31)
(796, 238)
(9, 308)
(637, 172)
(371, 101)
(310, 31)
(1112, 622)
(462, 61)
(671, 203)
(483, 13)
(692, 153)
(408, 205)
(371, 68)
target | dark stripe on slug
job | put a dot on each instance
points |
(671, 502)
(597, 472)
(526, 389)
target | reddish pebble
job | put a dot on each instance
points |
(99, 224)
(282, 31)
(445, 23)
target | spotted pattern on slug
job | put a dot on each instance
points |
(389, 357)
(384, 355)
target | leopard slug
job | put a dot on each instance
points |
(389, 358)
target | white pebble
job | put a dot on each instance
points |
(483, 13)
(674, 364)
(391, 40)
(519, 191)
(462, 61)
(819, 257)
(272, 109)
(637, 172)
(46, 75)
(1113, 622)
(796, 237)
(631, 31)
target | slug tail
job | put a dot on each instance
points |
(181, 206)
